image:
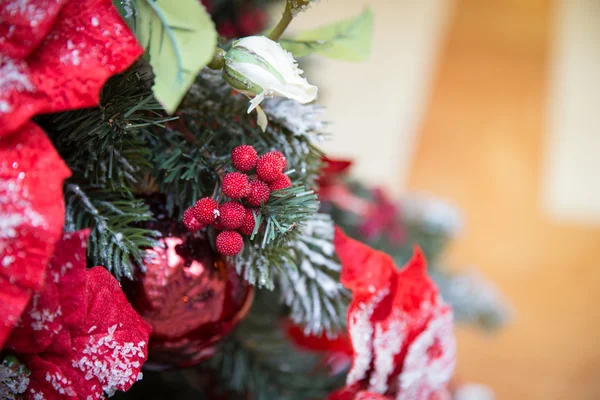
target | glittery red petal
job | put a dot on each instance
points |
(59, 304)
(364, 270)
(87, 44)
(31, 213)
(24, 24)
(13, 299)
(401, 330)
(48, 380)
(113, 335)
(107, 349)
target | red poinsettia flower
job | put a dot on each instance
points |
(333, 169)
(401, 330)
(31, 217)
(334, 190)
(382, 219)
(55, 55)
(79, 336)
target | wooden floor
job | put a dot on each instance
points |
(481, 146)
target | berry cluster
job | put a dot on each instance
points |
(236, 217)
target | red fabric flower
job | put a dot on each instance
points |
(31, 217)
(401, 330)
(55, 55)
(382, 218)
(79, 336)
(334, 168)
(71, 50)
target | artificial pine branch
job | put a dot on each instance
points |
(212, 122)
(259, 359)
(108, 150)
(312, 291)
(116, 241)
(107, 145)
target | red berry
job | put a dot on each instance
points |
(244, 158)
(269, 166)
(248, 226)
(190, 222)
(283, 182)
(231, 215)
(259, 193)
(235, 185)
(226, 29)
(206, 210)
(229, 243)
(283, 159)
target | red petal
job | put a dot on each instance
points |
(38, 325)
(87, 44)
(107, 349)
(48, 380)
(364, 395)
(364, 270)
(67, 270)
(14, 299)
(334, 167)
(112, 344)
(397, 323)
(23, 25)
(430, 359)
(32, 214)
(60, 304)
(341, 344)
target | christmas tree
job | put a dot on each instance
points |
(169, 227)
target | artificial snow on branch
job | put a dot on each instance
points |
(115, 241)
(311, 287)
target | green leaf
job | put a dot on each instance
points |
(125, 10)
(180, 39)
(348, 40)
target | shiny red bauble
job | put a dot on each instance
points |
(189, 294)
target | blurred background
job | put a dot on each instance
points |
(493, 106)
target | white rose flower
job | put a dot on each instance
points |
(259, 67)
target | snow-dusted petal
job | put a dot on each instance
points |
(430, 359)
(112, 344)
(107, 349)
(31, 216)
(24, 24)
(401, 330)
(60, 304)
(87, 43)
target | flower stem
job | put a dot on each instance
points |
(218, 60)
(285, 20)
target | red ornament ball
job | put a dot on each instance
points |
(206, 210)
(283, 182)
(269, 166)
(189, 294)
(259, 193)
(235, 185)
(244, 158)
(231, 215)
(229, 243)
(190, 222)
(248, 226)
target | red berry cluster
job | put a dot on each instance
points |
(233, 217)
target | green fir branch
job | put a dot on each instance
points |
(260, 359)
(107, 145)
(116, 241)
(312, 290)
